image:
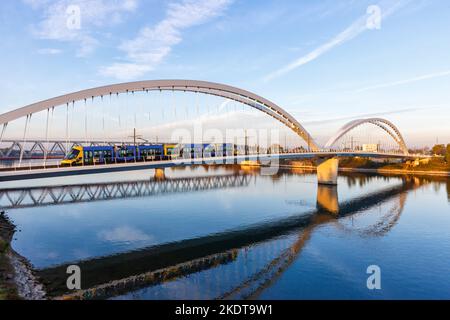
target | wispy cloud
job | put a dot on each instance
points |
(355, 29)
(93, 14)
(346, 90)
(124, 234)
(153, 44)
(49, 51)
(375, 114)
(406, 81)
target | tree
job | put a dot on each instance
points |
(439, 150)
(447, 155)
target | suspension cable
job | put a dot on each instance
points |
(71, 125)
(85, 122)
(22, 150)
(119, 118)
(174, 104)
(90, 137)
(126, 113)
(67, 127)
(186, 107)
(103, 119)
(197, 103)
(3, 132)
(46, 138)
(161, 103)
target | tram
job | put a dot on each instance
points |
(81, 156)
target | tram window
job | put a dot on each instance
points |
(73, 154)
(130, 153)
(122, 153)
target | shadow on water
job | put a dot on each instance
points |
(110, 276)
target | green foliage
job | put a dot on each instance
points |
(439, 150)
(3, 246)
(3, 293)
(434, 164)
(357, 162)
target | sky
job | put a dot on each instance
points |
(326, 62)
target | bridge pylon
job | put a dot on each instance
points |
(327, 171)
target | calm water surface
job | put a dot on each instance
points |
(226, 233)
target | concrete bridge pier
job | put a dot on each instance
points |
(327, 171)
(160, 174)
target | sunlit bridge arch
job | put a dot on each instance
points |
(211, 88)
(384, 124)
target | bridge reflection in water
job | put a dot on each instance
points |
(233, 264)
(16, 198)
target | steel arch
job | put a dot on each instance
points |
(384, 124)
(217, 89)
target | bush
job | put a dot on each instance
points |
(439, 150)
(3, 246)
(447, 155)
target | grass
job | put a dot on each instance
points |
(4, 246)
(7, 288)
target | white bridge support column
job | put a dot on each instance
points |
(327, 171)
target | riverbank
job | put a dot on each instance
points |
(8, 289)
(398, 171)
(16, 278)
(435, 167)
(372, 170)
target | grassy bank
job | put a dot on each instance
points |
(7, 287)
(435, 165)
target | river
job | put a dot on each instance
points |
(233, 233)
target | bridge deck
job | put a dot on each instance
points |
(30, 173)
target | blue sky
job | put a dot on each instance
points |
(316, 59)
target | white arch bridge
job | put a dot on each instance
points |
(327, 169)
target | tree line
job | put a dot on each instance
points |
(442, 150)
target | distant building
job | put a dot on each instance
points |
(370, 147)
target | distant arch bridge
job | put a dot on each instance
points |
(384, 124)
